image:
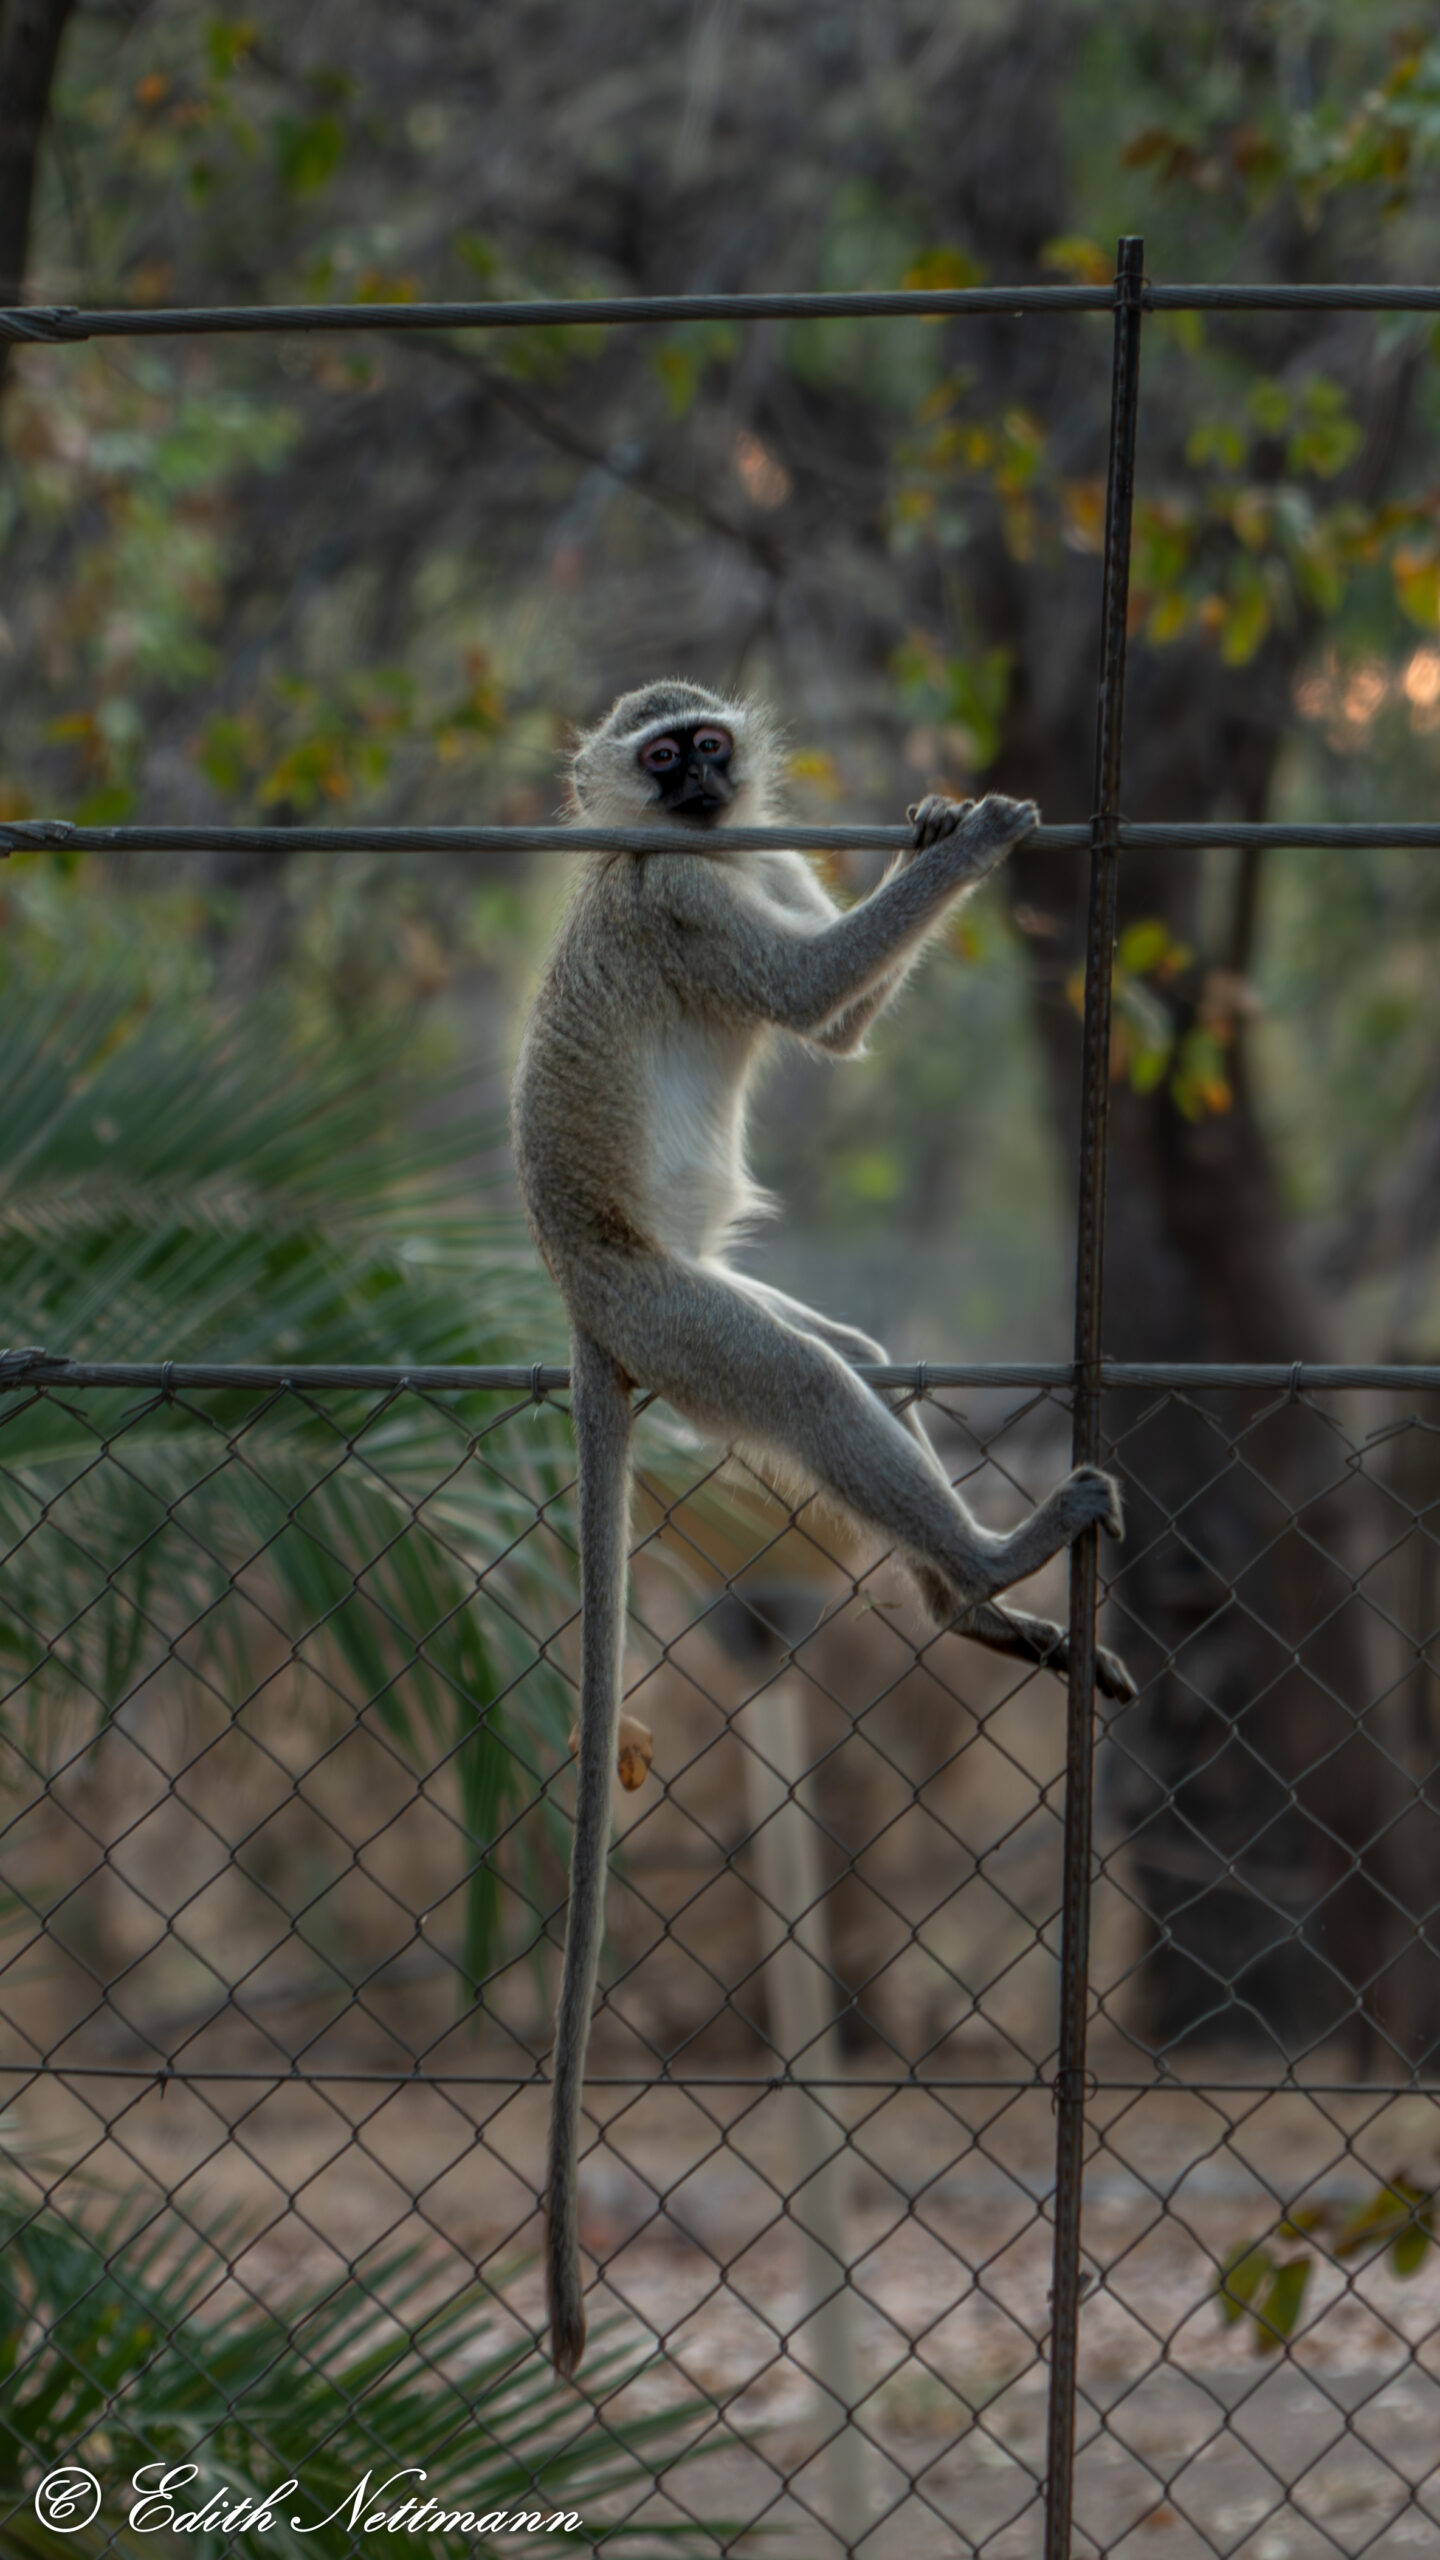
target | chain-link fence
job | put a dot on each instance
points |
(903, 1960)
(289, 1669)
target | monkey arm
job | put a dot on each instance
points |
(842, 1037)
(758, 961)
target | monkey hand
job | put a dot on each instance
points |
(976, 834)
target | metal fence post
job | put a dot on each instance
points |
(1069, 2089)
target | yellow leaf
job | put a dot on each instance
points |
(818, 772)
(1083, 260)
(942, 271)
(1250, 516)
(1082, 506)
(376, 284)
(1417, 586)
(1246, 623)
(1169, 618)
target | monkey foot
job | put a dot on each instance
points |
(635, 1749)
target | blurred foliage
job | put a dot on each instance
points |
(1263, 2283)
(140, 2347)
(372, 576)
(168, 1183)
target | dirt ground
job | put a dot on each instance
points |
(1189, 2440)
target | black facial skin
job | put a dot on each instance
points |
(690, 768)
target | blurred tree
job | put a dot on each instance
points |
(30, 37)
(371, 575)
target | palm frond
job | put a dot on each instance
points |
(137, 2345)
(169, 1190)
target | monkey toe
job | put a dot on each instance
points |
(1097, 1501)
(636, 1751)
(1112, 1677)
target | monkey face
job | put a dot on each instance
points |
(690, 765)
(674, 754)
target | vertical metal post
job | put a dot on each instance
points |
(1069, 2089)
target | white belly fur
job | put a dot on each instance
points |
(699, 1190)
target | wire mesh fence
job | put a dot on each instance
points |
(289, 1676)
(289, 1668)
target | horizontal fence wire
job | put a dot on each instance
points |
(46, 835)
(67, 325)
(37, 1368)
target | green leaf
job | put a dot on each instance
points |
(946, 270)
(1417, 586)
(1387, 2217)
(1276, 2314)
(1248, 616)
(478, 255)
(1325, 436)
(1270, 406)
(308, 150)
(109, 806)
(1216, 440)
(1143, 945)
(1241, 2275)
(1410, 2247)
(227, 42)
(977, 692)
(679, 374)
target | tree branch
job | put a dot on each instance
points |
(533, 412)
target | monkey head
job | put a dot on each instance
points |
(677, 755)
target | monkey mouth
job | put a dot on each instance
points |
(700, 808)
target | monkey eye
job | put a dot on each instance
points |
(659, 756)
(712, 744)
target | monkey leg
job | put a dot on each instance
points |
(1002, 1630)
(853, 1347)
(723, 1358)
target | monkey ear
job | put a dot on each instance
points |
(913, 812)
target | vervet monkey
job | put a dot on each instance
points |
(671, 973)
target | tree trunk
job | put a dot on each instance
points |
(1251, 1801)
(30, 37)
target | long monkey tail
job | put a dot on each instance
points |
(600, 1406)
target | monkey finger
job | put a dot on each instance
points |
(1006, 821)
(936, 816)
